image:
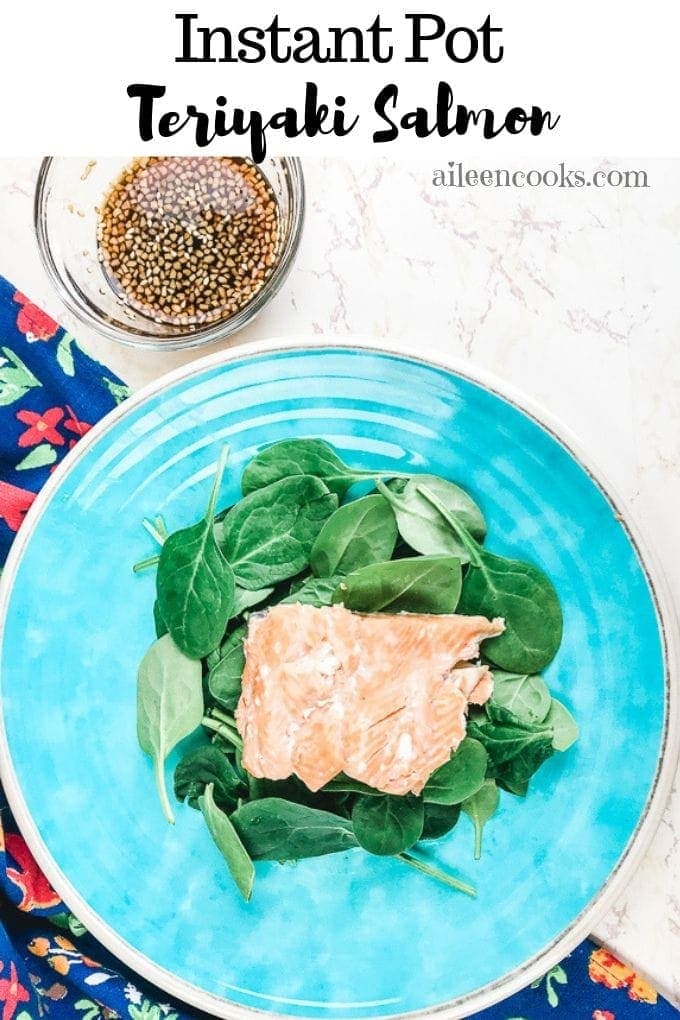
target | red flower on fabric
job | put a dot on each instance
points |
(75, 425)
(605, 969)
(14, 502)
(37, 893)
(42, 427)
(12, 992)
(32, 321)
(603, 1014)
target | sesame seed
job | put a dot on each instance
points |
(189, 240)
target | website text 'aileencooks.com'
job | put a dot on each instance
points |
(457, 175)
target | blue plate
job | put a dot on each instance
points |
(347, 935)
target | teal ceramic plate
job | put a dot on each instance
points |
(349, 935)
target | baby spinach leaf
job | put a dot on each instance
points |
(294, 584)
(460, 777)
(159, 622)
(479, 808)
(387, 825)
(357, 534)
(227, 841)
(344, 784)
(315, 591)
(512, 779)
(519, 592)
(212, 658)
(498, 715)
(424, 584)
(294, 790)
(527, 601)
(238, 765)
(169, 705)
(291, 789)
(516, 750)
(564, 726)
(293, 457)
(224, 676)
(195, 584)
(244, 599)
(268, 536)
(422, 526)
(273, 829)
(439, 819)
(526, 696)
(203, 766)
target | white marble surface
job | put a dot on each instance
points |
(573, 297)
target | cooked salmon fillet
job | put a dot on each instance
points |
(382, 698)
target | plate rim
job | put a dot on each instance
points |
(543, 960)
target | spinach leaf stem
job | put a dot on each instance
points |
(162, 791)
(150, 561)
(224, 717)
(161, 528)
(223, 731)
(437, 874)
(158, 535)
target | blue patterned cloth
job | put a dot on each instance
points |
(51, 394)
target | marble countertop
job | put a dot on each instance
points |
(571, 296)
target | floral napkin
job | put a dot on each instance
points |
(51, 393)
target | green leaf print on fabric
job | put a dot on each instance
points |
(65, 354)
(40, 456)
(119, 391)
(90, 1010)
(145, 1010)
(15, 378)
(555, 976)
(68, 922)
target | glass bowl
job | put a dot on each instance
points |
(68, 194)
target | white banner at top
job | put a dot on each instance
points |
(440, 80)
